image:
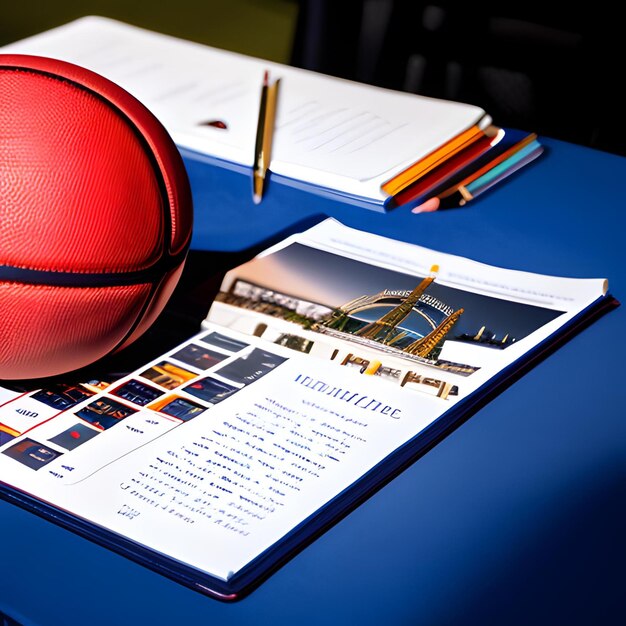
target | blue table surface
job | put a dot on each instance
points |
(517, 517)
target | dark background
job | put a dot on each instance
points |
(549, 69)
(262, 28)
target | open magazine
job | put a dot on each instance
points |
(325, 365)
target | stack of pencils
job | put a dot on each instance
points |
(462, 169)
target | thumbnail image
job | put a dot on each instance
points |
(74, 436)
(175, 406)
(105, 412)
(31, 453)
(440, 388)
(62, 396)
(199, 357)
(210, 390)
(137, 392)
(364, 366)
(250, 367)
(224, 342)
(294, 342)
(168, 375)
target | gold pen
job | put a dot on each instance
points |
(264, 136)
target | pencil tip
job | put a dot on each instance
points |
(256, 198)
(432, 204)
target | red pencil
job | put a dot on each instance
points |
(450, 167)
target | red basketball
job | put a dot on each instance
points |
(95, 217)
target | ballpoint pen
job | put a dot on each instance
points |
(264, 136)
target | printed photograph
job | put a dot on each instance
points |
(74, 436)
(31, 453)
(199, 357)
(294, 342)
(105, 412)
(224, 342)
(250, 367)
(63, 396)
(137, 392)
(440, 388)
(210, 390)
(176, 406)
(168, 375)
(406, 316)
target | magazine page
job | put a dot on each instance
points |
(211, 453)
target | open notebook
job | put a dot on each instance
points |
(325, 366)
(333, 136)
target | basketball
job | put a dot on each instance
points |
(95, 217)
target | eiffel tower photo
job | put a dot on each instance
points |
(383, 329)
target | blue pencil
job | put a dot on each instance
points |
(464, 193)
